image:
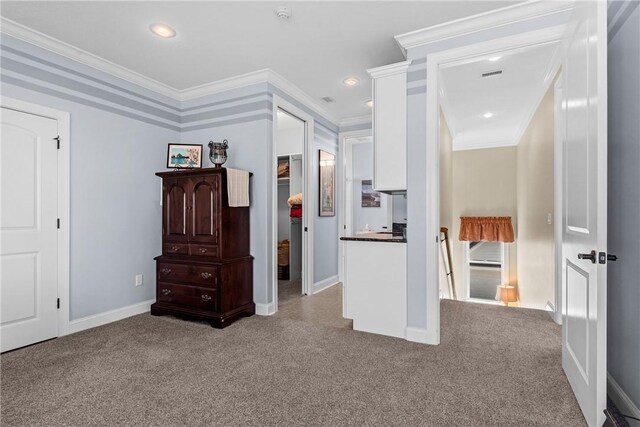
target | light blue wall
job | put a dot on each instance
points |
(118, 140)
(325, 246)
(119, 133)
(623, 291)
(243, 117)
(417, 153)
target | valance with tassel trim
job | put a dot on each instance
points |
(486, 229)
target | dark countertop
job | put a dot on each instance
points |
(375, 237)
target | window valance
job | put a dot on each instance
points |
(486, 229)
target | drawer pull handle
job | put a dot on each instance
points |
(165, 271)
(166, 291)
(206, 275)
(206, 298)
(175, 248)
(203, 250)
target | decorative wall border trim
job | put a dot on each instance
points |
(618, 13)
(480, 22)
(44, 41)
(66, 50)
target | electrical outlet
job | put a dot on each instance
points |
(139, 280)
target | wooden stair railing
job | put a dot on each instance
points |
(449, 273)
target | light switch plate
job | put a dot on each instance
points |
(139, 280)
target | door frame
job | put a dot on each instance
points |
(558, 150)
(432, 161)
(307, 200)
(345, 214)
(64, 131)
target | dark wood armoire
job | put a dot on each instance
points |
(205, 270)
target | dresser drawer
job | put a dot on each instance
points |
(175, 249)
(190, 296)
(184, 273)
(205, 250)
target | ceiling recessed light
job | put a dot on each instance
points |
(495, 58)
(351, 81)
(369, 103)
(487, 115)
(162, 30)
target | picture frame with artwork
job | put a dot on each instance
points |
(370, 198)
(327, 174)
(184, 156)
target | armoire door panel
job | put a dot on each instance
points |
(205, 210)
(175, 212)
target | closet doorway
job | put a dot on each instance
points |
(292, 130)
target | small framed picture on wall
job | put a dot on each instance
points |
(184, 156)
(327, 175)
(370, 198)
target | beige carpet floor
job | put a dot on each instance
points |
(323, 308)
(496, 366)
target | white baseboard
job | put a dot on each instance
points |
(324, 284)
(265, 309)
(622, 401)
(110, 316)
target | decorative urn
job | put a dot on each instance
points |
(218, 152)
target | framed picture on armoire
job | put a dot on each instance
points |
(327, 202)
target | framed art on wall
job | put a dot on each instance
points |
(185, 156)
(370, 198)
(327, 175)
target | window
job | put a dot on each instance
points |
(485, 267)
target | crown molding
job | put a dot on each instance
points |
(59, 47)
(480, 22)
(358, 120)
(235, 82)
(66, 50)
(389, 70)
(457, 146)
(301, 96)
(265, 75)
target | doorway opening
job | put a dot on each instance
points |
(498, 157)
(289, 146)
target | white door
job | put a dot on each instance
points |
(28, 229)
(584, 284)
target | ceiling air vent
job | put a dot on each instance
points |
(328, 99)
(492, 73)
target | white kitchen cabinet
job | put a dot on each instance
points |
(390, 127)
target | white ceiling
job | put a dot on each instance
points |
(510, 97)
(322, 43)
